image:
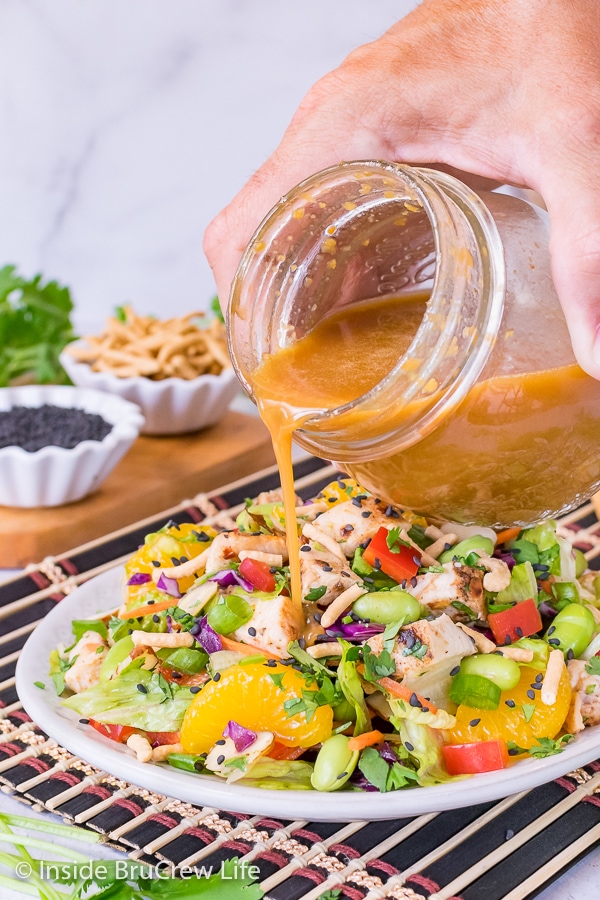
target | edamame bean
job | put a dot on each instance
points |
(334, 764)
(477, 542)
(572, 629)
(581, 563)
(502, 671)
(385, 607)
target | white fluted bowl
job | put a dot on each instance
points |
(53, 476)
(170, 406)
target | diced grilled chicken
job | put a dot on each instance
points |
(323, 569)
(426, 643)
(88, 653)
(457, 584)
(352, 523)
(274, 624)
(585, 701)
(228, 545)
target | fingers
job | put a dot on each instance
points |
(326, 130)
(574, 209)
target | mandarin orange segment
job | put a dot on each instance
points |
(508, 722)
(161, 547)
(249, 695)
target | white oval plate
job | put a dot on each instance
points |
(103, 593)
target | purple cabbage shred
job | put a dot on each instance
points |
(169, 586)
(140, 578)
(208, 639)
(241, 737)
(229, 577)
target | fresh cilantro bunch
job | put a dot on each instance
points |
(35, 325)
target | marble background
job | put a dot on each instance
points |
(126, 125)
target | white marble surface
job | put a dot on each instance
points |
(126, 125)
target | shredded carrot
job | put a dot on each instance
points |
(228, 644)
(509, 534)
(404, 693)
(364, 740)
(280, 751)
(148, 609)
(183, 679)
(546, 586)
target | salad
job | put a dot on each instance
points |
(420, 653)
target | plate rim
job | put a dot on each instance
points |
(63, 725)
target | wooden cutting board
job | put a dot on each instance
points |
(158, 472)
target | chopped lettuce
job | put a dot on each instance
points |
(405, 712)
(426, 749)
(80, 626)
(279, 775)
(523, 585)
(159, 706)
(540, 650)
(350, 686)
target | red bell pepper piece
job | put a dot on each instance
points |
(398, 561)
(519, 621)
(471, 759)
(120, 733)
(259, 575)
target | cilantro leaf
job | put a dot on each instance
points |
(381, 774)
(316, 593)
(35, 326)
(394, 541)
(277, 678)
(592, 666)
(548, 747)
(377, 665)
(528, 711)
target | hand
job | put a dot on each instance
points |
(504, 89)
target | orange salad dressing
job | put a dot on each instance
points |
(518, 447)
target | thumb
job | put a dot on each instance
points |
(574, 209)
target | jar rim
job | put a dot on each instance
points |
(449, 205)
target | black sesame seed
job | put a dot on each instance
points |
(183, 559)
(408, 638)
(536, 686)
(519, 631)
(198, 765)
(413, 581)
(217, 676)
(377, 500)
(175, 561)
(366, 513)
(130, 631)
(271, 663)
(317, 617)
(403, 584)
(176, 675)
(551, 630)
(361, 496)
(346, 574)
(455, 670)
(327, 568)
(539, 677)
(305, 548)
(172, 524)
(220, 742)
(388, 510)
(331, 499)
(220, 759)
(356, 502)
(194, 689)
(474, 722)
(201, 536)
(155, 562)
(84, 721)
(272, 569)
(348, 528)
(342, 775)
(156, 617)
(510, 703)
(513, 751)
(377, 563)
(302, 643)
(151, 602)
(368, 580)
(414, 700)
(416, 561)
(507, 640)
(34, 427)
(447, 546)
(409, 746)
(554, 642)
(252, 631)
(570, 654)
(531, 695)
(509, 834)
(142, 688)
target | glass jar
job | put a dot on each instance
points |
(486, 418)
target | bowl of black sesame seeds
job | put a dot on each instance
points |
(58, 444)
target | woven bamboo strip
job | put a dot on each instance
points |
(19, 632)
(339, 877)
(12, 657)
(538, 879)
(500, 853)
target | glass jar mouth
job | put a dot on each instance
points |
(455, 337)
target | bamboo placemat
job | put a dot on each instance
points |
(505, 850)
